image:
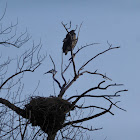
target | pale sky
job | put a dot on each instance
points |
(103, 20)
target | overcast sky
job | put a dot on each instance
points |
(103, 20)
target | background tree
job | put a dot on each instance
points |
(58, 116)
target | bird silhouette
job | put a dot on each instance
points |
(69, 42)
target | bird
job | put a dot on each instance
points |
(69, 42)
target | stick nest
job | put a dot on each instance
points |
(47, 112)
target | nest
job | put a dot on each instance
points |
(47, 112)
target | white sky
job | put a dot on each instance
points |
(115, 21)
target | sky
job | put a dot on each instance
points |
(114, 21)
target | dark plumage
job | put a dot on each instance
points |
(69, 42)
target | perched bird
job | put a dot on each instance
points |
(69, 42)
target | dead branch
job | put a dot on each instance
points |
(95, 96)
(114, 103)
(25, 64)
(96, 56)
(64, 25)
(92, 106)
(88, 118)
(82, 47)
(12, 32)
(62, 72)
(9, 78)
(95, 73)
(74, 68)
(89, 129)
(53, 72)
(91, 89)
(79, 30)
(13, 107)
(4, 12)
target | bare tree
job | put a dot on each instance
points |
(54, 117)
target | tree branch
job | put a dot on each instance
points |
(89, 129)
(88, 118)
(18, 110)
(91, 89)
(95, 73)
(95, 57)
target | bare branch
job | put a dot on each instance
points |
(53, 72)
(67, 66)
(96, 56)
(92, 106)
(114, 104)
(13, 76)
(82, 47)
(91, 89)
(62, 73)
(120, 91)
(79, 30)
(13, 107)
(88, 118)
(8, 29)
(62, 91)
(3, 12)
(95, 73)
(65, 26)
(95, 96)
(89, 129)
(74, 69)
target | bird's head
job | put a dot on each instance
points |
(72, 32)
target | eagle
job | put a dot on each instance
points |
(69, 42)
